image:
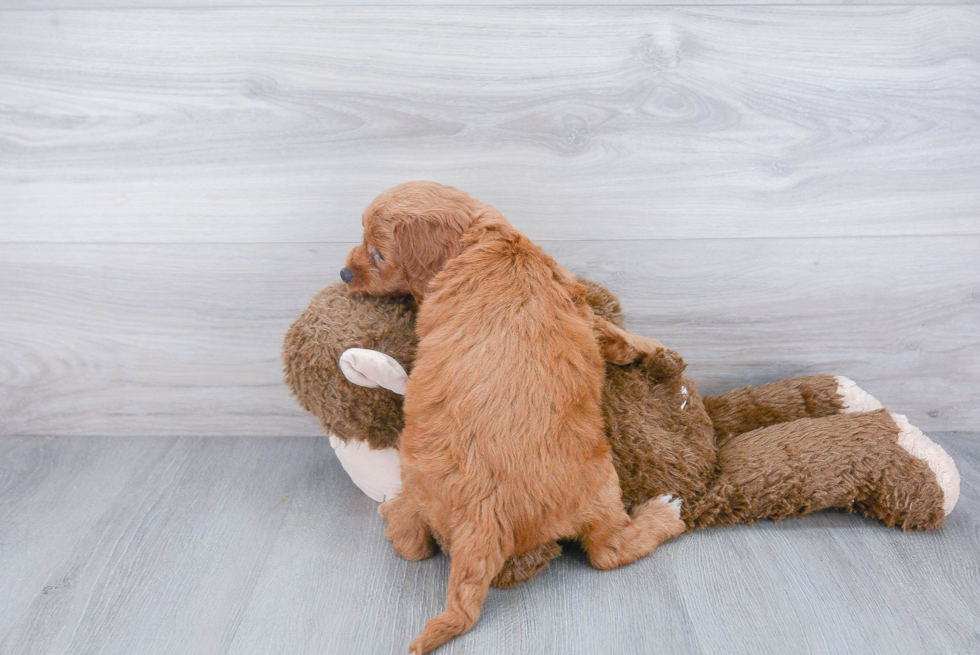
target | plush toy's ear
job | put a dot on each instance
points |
(370, 368)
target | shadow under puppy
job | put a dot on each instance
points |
(503, 449)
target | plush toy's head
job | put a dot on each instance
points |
(337, 320)
(334, 322)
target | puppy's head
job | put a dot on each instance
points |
(410, 232)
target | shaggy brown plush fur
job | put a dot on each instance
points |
(750, 408)
(735, 458)
(844, 461)
(333, 323)
(503, 450)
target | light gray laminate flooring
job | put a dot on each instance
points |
(263, 545)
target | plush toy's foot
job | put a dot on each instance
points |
(855, 399)
(942, 465)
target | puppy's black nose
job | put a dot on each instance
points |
(346, 275)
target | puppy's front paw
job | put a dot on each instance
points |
(664, 365)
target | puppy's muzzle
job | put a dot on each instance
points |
(346, 275)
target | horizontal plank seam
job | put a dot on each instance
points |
(538, 240)
(448, 5)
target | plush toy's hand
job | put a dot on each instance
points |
(370, 368)
(376, 472)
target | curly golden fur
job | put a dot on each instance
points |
(503, 449)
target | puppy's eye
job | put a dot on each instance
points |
(377, 256)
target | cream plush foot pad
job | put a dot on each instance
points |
(855, 398)
(919, 445)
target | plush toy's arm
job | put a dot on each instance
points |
(621, 347)
(376, 472)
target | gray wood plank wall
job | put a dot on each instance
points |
(772, 190)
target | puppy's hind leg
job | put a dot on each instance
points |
(409, 535)
(476, 558)
(611, 538)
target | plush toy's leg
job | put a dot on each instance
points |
(523, 567)
(612, 538)
(921, 447)
(750, 408)
(409, 535)
(873, 462)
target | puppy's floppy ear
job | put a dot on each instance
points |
(424, 245)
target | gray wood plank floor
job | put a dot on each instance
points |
(227, 545)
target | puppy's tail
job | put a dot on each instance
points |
(476, 558)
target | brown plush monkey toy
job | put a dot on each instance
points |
(780, 450)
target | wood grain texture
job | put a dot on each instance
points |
(184, 339)
(280, 124)
(158, 563)
(899, 315)
(255, 546)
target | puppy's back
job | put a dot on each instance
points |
(503, 402)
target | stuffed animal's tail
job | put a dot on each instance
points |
(476, 558)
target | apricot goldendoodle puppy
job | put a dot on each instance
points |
(503, 449)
